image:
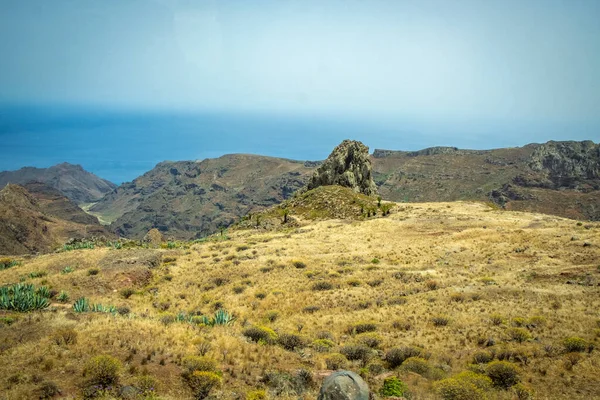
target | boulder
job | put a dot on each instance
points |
(344, 385)
(348, 165)
(154, 237)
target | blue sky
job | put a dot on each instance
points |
(452, 71)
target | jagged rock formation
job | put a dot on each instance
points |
(344, 385)
(348, 165)
(70, 180)
(574, 165)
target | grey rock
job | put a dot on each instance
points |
(568, 164)
(348, 165)
(344, 385)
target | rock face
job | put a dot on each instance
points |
(348, 165)
(568, 164)
(344, 385)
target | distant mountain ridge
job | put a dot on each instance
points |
(70, 180)
(187, 199)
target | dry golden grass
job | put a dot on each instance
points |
(463, 262)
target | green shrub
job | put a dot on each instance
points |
(23, 297)
(197, 363)
(417, 365)
(67, 270)
(202, 383)
(102, 371)
(48, 390)
(299, 264)
(260, 334)
(396, 356)
(93, 271)
(272, 315)
(393, 387)
(63, 297)
(482, 357)
(290, 341)
(575, 344)
(480, 381)
(440, 320)
(322, 285)
(362, 327)
(503, 374)
(6, 263)
(322, 345)
(336, 361)
(369, 339)
(357, 352)
(519, 335)
(522, 392)
(455, 389)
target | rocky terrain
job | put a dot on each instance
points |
(41, 220)
(70, 180)
(189, 199)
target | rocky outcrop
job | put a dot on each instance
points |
(566, 165)
(344, 385)
(348, 165)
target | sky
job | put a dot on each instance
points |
(470, 73)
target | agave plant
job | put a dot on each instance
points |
(223, 317)
(23, 297)
(63, 296)
(81, 305)
(43, 291)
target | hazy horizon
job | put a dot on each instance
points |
(118, 86)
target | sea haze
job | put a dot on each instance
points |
(120, 145)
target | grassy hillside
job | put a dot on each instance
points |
(452, 286)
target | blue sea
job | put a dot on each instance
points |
(121, 145)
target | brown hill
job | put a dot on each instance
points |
(189, 199)
(560, 178)
(29, 223)
(70, 180)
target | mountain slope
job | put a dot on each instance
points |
(561, 178)
(70, 180)
(29, 223)
(188, 199)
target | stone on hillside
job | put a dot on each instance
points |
(154, 237)
(344, 385)
(348, 165)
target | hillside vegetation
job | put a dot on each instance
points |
(446, 297)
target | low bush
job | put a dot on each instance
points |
(519, 335)
(357, 353)
(290, 341)
(299, 264)
(322, 285)
(362, 327)
(260, 334)
(396, 356)
(418, 365)
(202, 383)
(393, 387)
(369, 339)
(322, 345)
(503, 374)
(127, 293)
(575, 344)
(440, 320)
(65, 336)
(102, 371)
(455, 389)
(256, 395)
(336, 361)
(482, 357)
